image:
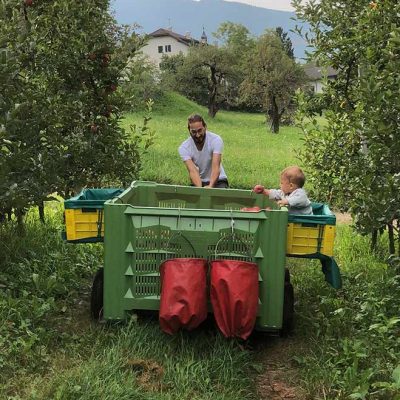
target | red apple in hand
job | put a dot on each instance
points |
(258, 189)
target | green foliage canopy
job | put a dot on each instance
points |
(354, 159)
(236, 38)
(211, 74)
(285, 39)
(207, 75)
(271, 78)
(60, 67)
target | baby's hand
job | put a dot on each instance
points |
(258, 189)
(283, 202)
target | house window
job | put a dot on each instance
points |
(160, 49)
(168, 48)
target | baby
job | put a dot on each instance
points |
(291, 192)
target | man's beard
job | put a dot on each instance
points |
(200, 140)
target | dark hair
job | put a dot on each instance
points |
(196, 118)
(295, 175)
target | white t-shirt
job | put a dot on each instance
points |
(213, 144)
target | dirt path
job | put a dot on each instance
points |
(279, 379)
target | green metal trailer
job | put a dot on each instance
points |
(149, 223)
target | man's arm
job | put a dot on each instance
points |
(215, 169)
(193, 173)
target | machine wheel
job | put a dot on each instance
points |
(287, 275)
(96, 298)
(288, 306)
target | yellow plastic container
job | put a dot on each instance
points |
(311, 234)
(303, 239)
(84, 224)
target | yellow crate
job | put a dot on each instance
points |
(83, 223)
(303, 239)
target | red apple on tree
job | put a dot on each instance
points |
(106, 59)
(94, 128)
(108, 111)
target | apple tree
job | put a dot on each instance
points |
(353, 159)
(60, 107)
(271, 79)
(207, 75)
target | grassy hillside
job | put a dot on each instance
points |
(251, 153)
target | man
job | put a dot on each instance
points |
(202, 153)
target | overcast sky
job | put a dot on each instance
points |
(283, 5)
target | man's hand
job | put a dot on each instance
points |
(258, 189)
(193, 173)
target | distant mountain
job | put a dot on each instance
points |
(190, 16)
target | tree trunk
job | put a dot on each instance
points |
(20, 222)
(212, 104)
(398, 237)
(275, 115)
(275, 124)
(5, 215)
(67, 192)
(212, 110)
(374, 239)
(391, 238)
(212, 94)
(41, 212)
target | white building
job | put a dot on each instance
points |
(164, 41)
(317, 75)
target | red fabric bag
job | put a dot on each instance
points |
(234, 296)
(183, 302)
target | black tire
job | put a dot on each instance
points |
(288, 306)
(96, 298)
(287, 275)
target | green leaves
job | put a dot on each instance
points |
(396, 377)
(59, 82)
(271, 78)
(362, 108)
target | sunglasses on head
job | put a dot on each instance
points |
(194, 131)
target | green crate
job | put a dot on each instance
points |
(149, 223)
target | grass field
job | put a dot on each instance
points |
(251, 153)
(345, 344)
